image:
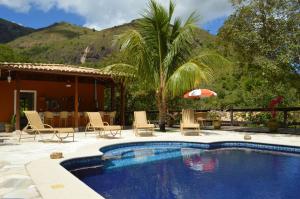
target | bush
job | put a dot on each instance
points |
(259, 117)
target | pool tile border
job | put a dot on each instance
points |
(85, 162)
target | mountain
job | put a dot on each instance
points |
(10, 31)
(66, 43)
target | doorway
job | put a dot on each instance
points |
(27, 103)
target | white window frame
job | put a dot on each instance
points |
(25, 91)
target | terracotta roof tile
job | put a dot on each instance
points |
(42, 67)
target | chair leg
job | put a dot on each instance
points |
(35, 134)
(20, 136)
(87, 128)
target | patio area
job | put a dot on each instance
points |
(15, 182)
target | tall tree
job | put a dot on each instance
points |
(268, 29)
(159, 54)
(264, 37)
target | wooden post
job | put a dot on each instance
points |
(76, 104)
(231, 117)
(112, 97)
(122, 113)
(18, 117)
(285, 118)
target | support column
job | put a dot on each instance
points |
(122, 112)
(76, 104)
(231, 118)
(112, 97)
(17, 125)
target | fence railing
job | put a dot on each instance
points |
(286, 116)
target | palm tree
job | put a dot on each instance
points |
(159, 52)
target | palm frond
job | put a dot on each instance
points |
(214, 60)
(192, 19)
(121, 71)
(188, 76)
(171, 10)
(176, 28)
(134, 47)
(181, 44)
(154, 26)
(131, 42)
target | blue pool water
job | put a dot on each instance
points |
(174, 171)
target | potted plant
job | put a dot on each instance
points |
(9, 127)
(215, 116)
(273, 125)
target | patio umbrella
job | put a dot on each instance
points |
(199, 93)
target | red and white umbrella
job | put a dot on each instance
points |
(199, 93)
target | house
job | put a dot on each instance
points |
(55, 88)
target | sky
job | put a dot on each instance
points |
(101, 14)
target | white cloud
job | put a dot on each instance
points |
(107, 13)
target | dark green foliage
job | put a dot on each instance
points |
(9, 55)
(262, 37)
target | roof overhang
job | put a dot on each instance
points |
(58, 69)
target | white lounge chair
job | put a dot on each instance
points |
(97, 125)
(140, 124)
(35, 127)
(188, 121)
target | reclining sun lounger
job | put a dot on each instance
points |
(35, 126)
(97, 125)
(140, 124)
(188, 121)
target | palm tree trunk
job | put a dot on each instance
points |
(162, 108)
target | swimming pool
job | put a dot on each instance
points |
(171, 170)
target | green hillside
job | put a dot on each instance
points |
(10, 31)
(65, 43)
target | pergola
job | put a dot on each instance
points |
(59, 73)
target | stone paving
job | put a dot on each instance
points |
(14, 179)
(15, 182)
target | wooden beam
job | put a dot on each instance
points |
(122, 112)
(76, 105)
(18, 117)
(112, 97)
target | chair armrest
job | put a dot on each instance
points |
(48, 126)
(105, 123)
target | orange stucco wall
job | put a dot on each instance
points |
(50, 90)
